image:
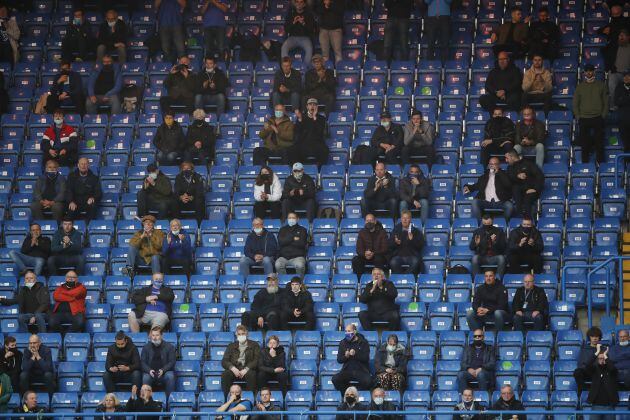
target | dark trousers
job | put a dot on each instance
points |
(166, 102)
(342, 380)
(437, 28)
(535, 98)
(111, 379)
(199, 156)
(492, 150)
(146, 204)
(377, 154)
(305, 151)
(391, 205)
(228, 378)
(359, 262)
(396, 29)
(83, 210)
(581, 376)
(58, 318)
(78, 101)
(415, 264)
(624, 128)
(525, 202)
(484, 379)
(591, 136)
(519, 321)
(282, 378)
(267, 209)
(489, 101)
(37, 210)
(214, 41)
(391, 317)
(169, 158)
(77, 46)
(250, 320)
(15, 379)
(262, 155)
(533, 261)
(289, 205)
(308, 317)
(197, 206)
(409, 151)
(56, 262)
(26, 379)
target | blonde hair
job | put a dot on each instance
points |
(113, 397)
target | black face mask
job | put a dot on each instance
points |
(487, 227)
(70, 284)
(370, 225)
(350, 399)
(199, 123)
(526, 230)
(187, 173)
(478, 343)
(108, 67)
(265, 177)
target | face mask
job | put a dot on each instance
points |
(29, 285)
(589, 79)
(198, 123)
(497, 116)
(385, 124)
(378, 400)
(76, 21)
(291, 222)
(391, 348)
(108, 67)
(624, 343)
(187, 173)
(349, 336)
(70, 283)
(241, 338)
(350, 399)
(298, 175)
(153, 175)
(58, 121)
(478, 342)
(157, 342)
(158, 284)
(487, 227)
(278, 114)
(210, 69)
(527, 230)
(257, 231)
(414, 175)
(370, 225)
(111, 24)
(265, 177)
(51, 174)
(175, 232)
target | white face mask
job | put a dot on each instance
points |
(624, 343)
(379, 400)
(30, 285)
(291, 222)
(391, 348)
(157, 342)
(153, 175)
(58, 121)
(111, 24)
(241, 339)
(175, 232)
(257, 231)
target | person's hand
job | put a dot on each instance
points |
(417, 204)
(32, 320)
(486, 142)
(93, 99)
(152, 373)
(352, 352)
(34, 240)
(283, 89)
(385, 182)
(300, 191)
(258, 257)
(235, 371)
(415, 181)
(493, 38)
(62, 79)
(466, 189)
(278, 370)
(321, 73)
(493, 237)
(63, 96)
(62, 152)
(134, 390)
(243, 372)
(473, 372)
(298, 114)
(124, 368)
(272, 352)
(527, 19)
(151, 180)
(523, 241)
(292, 192)
(168, 239)
(347, 353)
(530, 191)
(66, 240)
(260, 407)
(181, 236)
(263, 196)
(197, 144)
(185, 72)
(72, 206)
(261, 322)
(519, 313)
(482, 311)
(389, 370)
(296, 313)
(606, 30)
(119, 44)
(151, 299)
(535, 314)
(521, 175)
(8, 354)
(205, 84)
(160, 373)
(501, 93)
(369, 254)
(530, 242)
(396, 240)
(90, 201)
(477, 239)
(52, 152)
(514, 417)
(275, 128)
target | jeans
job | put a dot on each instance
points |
(396, 29)
(101, 50)
(484, 379)
(303, 42)
(134, 259)
(538, 149)
(424, 208)
(299, 263)
(92, 107)
(218, 100)
(24, 261)
(111, 379)
(291, 98)
(328, 38)
(168, 158)
(391, 317)
(175, 35)
(601, 416)
(167, 380)
(40, 322)
(479, 260)
(480, 206)
(214, 41)
(245, 263)
(437, 28)
(591, 136)
(519, 321)
(77, 321)
(414, 263)
(476, 322)
(62, 261)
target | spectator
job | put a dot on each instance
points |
(544, 36)
(617, 62)
(300, 27)
(69, 305)
(380, 296)
(379, 404)
(490, 244)
(265, 404)
(494, 191)
(6, 389)
(503, 85)
(153, 305)
(66, 90)
(590, 107)
(320, 83)
(380, 192)
(587, 356)
(261, 248)
(169, 141)
(110, 404)
(143, 401)
(604, 394)
(622, 101)
(331, 30)
(278, 134)
(213, 14)
(66, 249)
(371, 246)
(538, 84)
(158, 362)
(145, 247)
(83, 192)
(122, 364)
(498, 136)
(170, 18)
(79, 41)
(529, 305)
(29, 405)
(511, 36)
(177, 250)
(33, 300)
(240, 361)
(397, 28)
(354, 356)
(525, 247)
(9, 36)
(49, 193)
(530, 136)
(468, 403)
(267, 194)
(478, 363)
(112, 37)
(414, 192)
(299, 193)
(386, 142)
(190, 193)
(266, 307)
(181, 84)
(293, 242)
(390, 364)
(527, 181)
(619, 354)
(37, 366)
(418, 137)
(200, 140)
(509, 402)
(235, 402)
(490, 304)
(297, 305)
(405, 244)
(310, 136)
(60, 142)
(287, 84)
(351, 403)
(104, 86)
(212, 85)
(272, 365)
(156, 195)
(33, 253)
(437, 28)
(11, 360)
(617, 23)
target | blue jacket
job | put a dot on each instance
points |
(117, 80)
(76, 239)
(39, 367)
(265, 244)
(620, 356)
(167, 352)
(178, 250)
(438, 7)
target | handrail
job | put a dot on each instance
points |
(618, 159)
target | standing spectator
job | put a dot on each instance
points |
(509, 402)
(169, 141)
(617, 61)
(287, 84)
(587, 356)
(156, 194)
(33, 253)
(354, 356)
(29, 405)
(298, 193)
(489, 243)
(293, 242)
(60, 142)
(277, 134)
(380, 192)
(590, 107)
(266, 307)
(468, 403)
(49, 193)
(9, 36)
(66, 90)
(494, 191)
(530, 136)
(69, 305)
(272, 365)
(525, 246)
(498, 136)
(33, 300)
(201, 140)
(153, 305)
(181, 84)
(478, 363)
(331, 29)
(158, 362)
(544, 36)
(320, 83)
(300, 27)
(527, 181)
(267, 194)
(83, 192)
(538, 84)
(438, 28)
(310, 136)
(109, 406)
(386, 142)
(297, 305)
(397, 28)
(529, 305)
(380, 297)
(212, 86)
(261, 248)
(511, 36)
(176, 249)
(170, 18)
(265, 404)
(390, 364)
(350, 403)
(240, 361)
(37, 366)
(604, 394)
(143, 401)
(190, 193)
(112, 37)
(414, 192)
(503, 85)
(490, 304)
(619, 354)
(104, 86)
(11, 360)
(418, 137)
(79, 41)
(66, 248)
(405, 244)
(122, 363)
(145, 247)
(371, 246)
(235, 402)
(213, 14)
(622, 101)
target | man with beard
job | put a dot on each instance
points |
(266, 307)
(11, 360)
(478, 363)
(122, 363)
(297, 306)
(538, 84)
(590, 107)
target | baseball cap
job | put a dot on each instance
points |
(297, 166)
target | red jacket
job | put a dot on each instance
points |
(68, 139)
(75, 298)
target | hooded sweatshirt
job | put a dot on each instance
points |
(127, 356)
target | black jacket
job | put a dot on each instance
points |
(535, 179)
(179, 86)
(195, 187)
(332, 17)
(475, 407)
(109, 38)
(297, 28)
(41, 250)
(489, 357)
(293, 82)
(360, 361)
(290, 247)
(537, 301)
(127, 356)
(499, 130)
(101, 409)
(272, 407)
(493, 298)
(306, 183)
(218, 77)
(138, 405)
(83, 31)
(309, 131)
(407, 247)
(382, 300)
(515, 238)
(392, 136)
(30, 301)
(384, 192)
(604, 390)
(170, 139)
(622, 100)
(386, 406)
(502, 184)
(498, 246)
(303, 301)
(267, 364)
(410, 192)
(205, 133)
(586, 356)
(139, 298)
(75, 88)
(357, 407)
(79, 188)
(513, 404)
(13, 365)
(400, 357)
(540, 31)
(314, 87)
(508, 80)
(264, 302)
(400, 9)
(167, 354)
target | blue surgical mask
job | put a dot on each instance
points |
(77, 21)
(278, 114)
(291, 222)
(349, 336)
(158, 284)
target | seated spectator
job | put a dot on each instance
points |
(297, 305)
(112, 37)
(498, 136)
(525, 247)
(293, 242)
(33, 253)
(267, 194)
(351, 403)
(170, 20)
(489, 243)
(591, 348)
(354, 356)
(503, 85)
(143, 402)
(380, 296)
(390, 364)
(37, 366)
(509, 402)
(418, 138)
(261, 248)
(622, 101)
(33, 300)
(158, 362)
(529, 305)
(478, 363)
(468, 403)
(60, 142)
(190, 199)
(617, 62)
(590, 108)
(169, 141)
(240, 361)
(200, 140)
(527, 181)
(109, 405)
(413, 191)
(287, 85)
(405, 243)
(104, 86)
(214, 27)
(300, 27)
(49, 193)
(177, 250)
(380, 192)
(298, 193)
(511, 36)
(11, 361)
(66, 249)
(235, 402)
(530, 136)
(494, 191)
(78, 42)
(181, 85)
(69, 307)
(278, 134)
(122, 364)
(490, 304)
(156, 194)
(83, 192)
(66, 90)
(266, 307)
(397, 29)
(379, 403)
(619, 354)
(211, 87)
(386, 142)
(10, 37)
(6, 389)
(29, 405)
(371, 247)
(145, 247)
(320, 83)
(538, 85)
(265, 404)
(544, 36)
(603, 394)
(310, 136)
(330, 18)
(272, 365)
(153, 305)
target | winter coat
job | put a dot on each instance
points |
(382, 300)
(519, 33)
(350, 416)
(622, 100)
(217, 77)
(310, 131)
(409, 192)
(499, 130)
(306, 183)
(535, 132)
(501, 183)
(284, 138)
(265, 244)
(604, 383)
(68, 140)
(535, 179)
(509, 80)
(60, 188)
(489, 358)
(41, 250)
(13, 365)
(74, 87)
(515, 238)
(386, 406)
(314, 87)
(161, 190)
(399, 9)
(167, 353)
(513, 404)
(360, 361)
(392, 136)
(127, 356)
(13, 31)
(400, 358)
(537, 82)
(425, 137)
(75, 297)
(108, 38)
(118, 81)
(138, 405)
(475, 407)
(178, 249)
(76, 242)
(139, 298)
(293, 82)
(303, 301)
(30, 301)
(493, 298)
(373, 241)
(148, 247)
(80, 188)
(205, 133)
(299, 29)
(384, 192)
(267, 364)
(275, 193)
(289, 247)
(179, 86)
(265, 302)
(407, 247)
(169, 139)
(252, 356)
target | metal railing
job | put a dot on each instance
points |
(618, 169)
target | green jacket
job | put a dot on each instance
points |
(5, 392)
(590, 100)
